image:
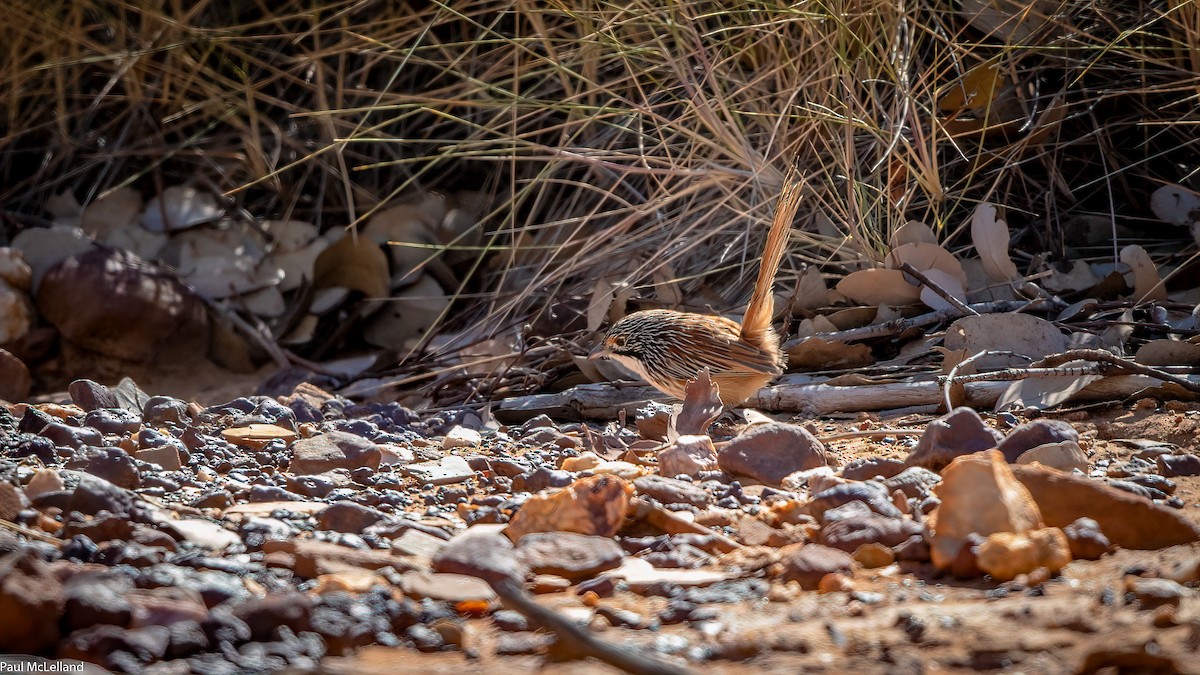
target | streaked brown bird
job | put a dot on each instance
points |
(668, 348)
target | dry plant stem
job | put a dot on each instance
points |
(672, 524)
(578, 638)
(953, 374)
(256, 334)
(897, 326)
(1108, 360)
(907, 268)
(31, 533)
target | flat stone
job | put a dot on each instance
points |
(593, 505)
(417, 543)
(310, 559)
(1064, 456)
(866, 468)
(769, 453)
(203, 533)
(640, 575)
(671, 490)
(445, 471)
(874, 556)
(333, 450)
(256, 436)
(568, 554)
(481, 551)
(446, 587)
(115, 466)
(267, 508)
(461, 437)
(1035, 433)
(43, 481)
(809, 563)
(1178, 465)
(957, 433)
(1126, 519)
(264, 615)
(90, 395)
(166, 456)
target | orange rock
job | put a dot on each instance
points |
(595, 505)
(1004, 555)
(979, 495)
(1126, 519)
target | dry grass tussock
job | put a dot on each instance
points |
(637, 143)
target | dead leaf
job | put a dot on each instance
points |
(407, 316)
(701, 405)
(814, 353)
(1147, 285)
(811, 291)
(666, 287)
(408, 230)
(1013, 20)
(878, 287)
(111, 212)
(1081, 277)
(953, 357)
(974, 91)
(912, 232)
(1018, 333)
(602, 300)
(990, 235)
(1168, 353)
(948, 283)
(927, 257)
(815, 325)
(356, 263)
(1175, 204)
(853, 317)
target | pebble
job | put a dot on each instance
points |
(1036, 433)
(688, 456)
(333, 450)
(31, 602)
(769, 453)
(445, 471)
(346, 516)
(568, 554)
(446, 587)
(848, 534)
(671, 490)
(1171, 466)
(807, 564)
(1064, 456)
(461, 437)
(960, 432)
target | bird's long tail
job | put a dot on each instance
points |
(756, 326)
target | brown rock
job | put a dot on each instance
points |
(12, 500)
(1127, 520)
(850, 533)
(347, 516)
(481, 551)
(112, 302)
(957, 433)
(445, 587)
(255, 436)
(567, 554)
(978, 495)
(866, 468)
(31, 602)
(115, 466)
(808, 563)
(1178, 465)
(874, 555)
(166, 456)
(769, 453)
(89, 395)
(1086, 540)
(333, 450)
(671, 490)
(15, 380)
(311, 558)
(1035, 433)
(594, 505)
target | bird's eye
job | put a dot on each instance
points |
(618, 341)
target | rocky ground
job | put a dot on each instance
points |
(313, 534)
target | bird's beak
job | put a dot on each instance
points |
(599, 352)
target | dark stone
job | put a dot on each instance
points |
(311, 486)
(1178, 465)
(91, 395)
(112, 302)
(671, 490)
(112, 421)
(914, 481)
(1035, 433)
(270, 493)
(481, 551)
(567, 554)
(162, 409)
(186, 638)
(1086, 540)
(872, 494)
(96, 598)
(105, 643)
(769, 453)
(264, 615)
(866, 468)
(809, 563)
(37, 446)
(94, 494)
(914, 548)
(544, 477)
(214, 499)
(115, 466)
(959, 432)
(104, 527)
(348, 516)
(850, 533)
(71, 437)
